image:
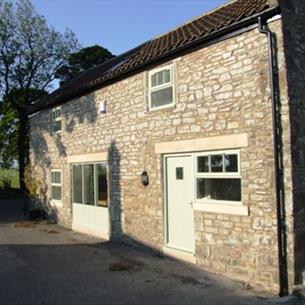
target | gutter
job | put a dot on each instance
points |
(207, 40)
(280, 203)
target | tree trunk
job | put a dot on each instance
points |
(23, 146)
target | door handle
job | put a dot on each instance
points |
(191, 203)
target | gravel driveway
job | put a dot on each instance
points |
(46, 264)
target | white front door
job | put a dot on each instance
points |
(180, 194)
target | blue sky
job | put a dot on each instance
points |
(120, 25)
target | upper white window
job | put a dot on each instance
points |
(161, 88)
(56, 185)
(56, 119)
(218, 177)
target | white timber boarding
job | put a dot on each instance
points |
(191, 184)
(90, 212)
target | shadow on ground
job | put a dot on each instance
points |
(41, 263)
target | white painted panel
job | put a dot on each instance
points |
(89, 216)
(77, 213)
(102, 219)
(91, 220)
(180, 193)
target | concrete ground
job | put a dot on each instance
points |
(42, 264)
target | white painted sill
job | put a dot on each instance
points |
(231, 209)
(56, 203)
(57, 133)
(171, 105)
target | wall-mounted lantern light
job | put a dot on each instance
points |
(144, 178)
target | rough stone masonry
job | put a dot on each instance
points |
(220, 90)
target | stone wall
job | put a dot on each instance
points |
(293, 28)
(220, 90)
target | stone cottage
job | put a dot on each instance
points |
(192, 144)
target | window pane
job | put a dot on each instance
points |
(162, 97)
(179, 173)
(89, 184)
(154, 80)
(216, 163)
(166, 76)
(203, 164)
(56, 192)
(161, 78)
(102, 189)
(56, 125)
(55, 177)
(56, 113)
(231, 163)
(219, 189)
(77, 184)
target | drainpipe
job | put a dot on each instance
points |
(283, 281)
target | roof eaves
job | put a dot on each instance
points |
(248, 21)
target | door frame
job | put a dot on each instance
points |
(165, 198)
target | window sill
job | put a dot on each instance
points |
(57, 133)
(165, 107)
(56, 203)
(232, 209)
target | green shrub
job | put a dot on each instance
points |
(6, 183)
(32, 184)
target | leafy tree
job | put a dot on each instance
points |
(8, 135)
(30, 54)
(81, 61)
(9, 124)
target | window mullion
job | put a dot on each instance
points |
(83, 185)
(95, 184)
(159, 87)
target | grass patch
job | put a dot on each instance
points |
(9, 174)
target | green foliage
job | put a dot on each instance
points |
(32, 184)
(8, 135)
(9, 124)
(30, 54)
(30, 50)
(81, 61)
(9, 176)
(7, 183)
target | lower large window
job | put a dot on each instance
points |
(218, 177)
(89, 184)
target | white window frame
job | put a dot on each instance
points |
(163, 86)
(222, 175)
(95, 177)
(56, 201)
(56, 119)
